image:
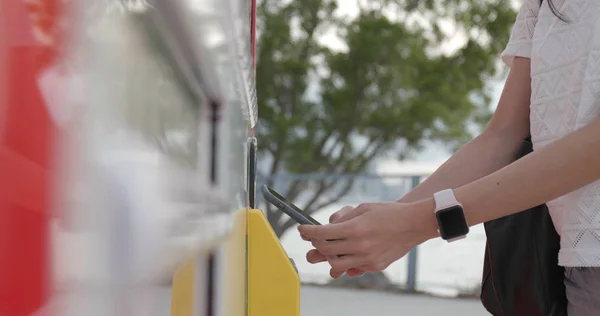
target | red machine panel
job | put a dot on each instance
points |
(26, 134)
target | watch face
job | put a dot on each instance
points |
(452, 222)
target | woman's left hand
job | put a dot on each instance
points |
(373, 237)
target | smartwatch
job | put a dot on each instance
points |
(452, 223)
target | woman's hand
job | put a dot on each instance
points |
(314, 256)
(369, 237)
(342, 215)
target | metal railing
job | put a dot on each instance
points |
(364, 188)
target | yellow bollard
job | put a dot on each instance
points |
(235, 265)
(260, 280)
(273, 283)
(233, 286)
(182, 293)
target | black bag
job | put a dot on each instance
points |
(521, 275)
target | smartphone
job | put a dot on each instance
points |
(287, 207)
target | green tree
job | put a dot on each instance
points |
(325, 110)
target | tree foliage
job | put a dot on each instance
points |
(383, 89)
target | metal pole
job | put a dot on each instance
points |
(411, 280)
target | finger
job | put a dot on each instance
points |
(334, 247)
(330, 258)
(347, 213)
(314, 256)
(335, 273)
(327, 232)
(355, 272)
(337, 216)
(339, 265)
(304, 237)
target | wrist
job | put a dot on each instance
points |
(426, 223)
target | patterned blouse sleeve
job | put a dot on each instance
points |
(521, 35)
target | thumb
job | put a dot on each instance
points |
(346, 213)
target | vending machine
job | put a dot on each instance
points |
(125, 142)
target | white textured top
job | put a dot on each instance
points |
(565, 96)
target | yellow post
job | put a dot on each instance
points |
(183, 290)
(235, 265)
(273, 283)
(182, 293)
(261, 280)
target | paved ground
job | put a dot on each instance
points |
(318, 301)
(315, 301)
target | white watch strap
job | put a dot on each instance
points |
(457, 238)
(444, 199)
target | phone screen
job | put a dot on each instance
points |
(294, 207)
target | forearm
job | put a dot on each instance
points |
(555, 170)
(493, 149)
(478, 158)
